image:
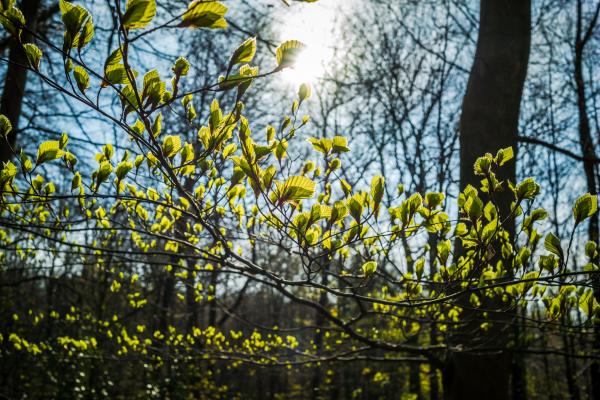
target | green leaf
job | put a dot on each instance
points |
(108, 150)
(288, 52)
(7, 174)
(434, 199)
(420, 267)
(346, 188)
(585, 207)
(474, 207)
(76, 182)
(157, 125)
(482, 165)
(369, 268)
(86, 34)
(504, 155)
(304, 92)
(591, 249)
(229, 150)
(339, 211)
(587, 302)
(103, 172)
(243, 54)
(34, 55)
(377, 190)
(552, 244)
(115, 57)
(205, 15)
(5, 126)
(81, 77)
(78, 23)
(527, 189)
(153, 88)
(12, 20)
(181, 67)
(538, 214)
(281, 149)
(116, 74)
(64, 139)
(138, 13)
(171, 145)
(242, 80)
(321, 145)
(355, 204)
(339, 144)
(150, 78)
(123, 168)
(6, 4)
(48, 151)
(296, 188)
(70, 159)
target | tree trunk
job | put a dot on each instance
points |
(588, 151)
(318, 339)
(489, 121)
(16, 78)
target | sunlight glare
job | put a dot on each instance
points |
(312, 26)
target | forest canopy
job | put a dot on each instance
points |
(399, 203)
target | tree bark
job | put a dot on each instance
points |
(588, 152)
(15, 80)
(489, 121)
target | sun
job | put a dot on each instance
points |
(313, 25)
(309, 66)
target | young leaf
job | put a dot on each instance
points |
(377, 189)
(504, 155)
(304, 92)
(321, 145)
(288, 52)
(587, 302)
(243, 54)
(527, 189)
(81, 77)
(103, 172)
(34, 55)
(591, 249)
(202, 14)
(12, 20)
(139, 13)
(64, 139)
(78, 23)
(296, 188)
(181, 67)
(552, 244)
(434, 199)
(48, 151)
(115, 57)
(171, 145)
(339, 211)
(116, 74)
(369, 268)
(339, 144)
(76, 182)
(585, 207)
(5, 126)
(355, 204)
(123, 168)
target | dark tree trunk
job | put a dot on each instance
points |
(16, 78)
(518, 372)
(434, 389)
(588, 151)
(489, 121)
(318, 339)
